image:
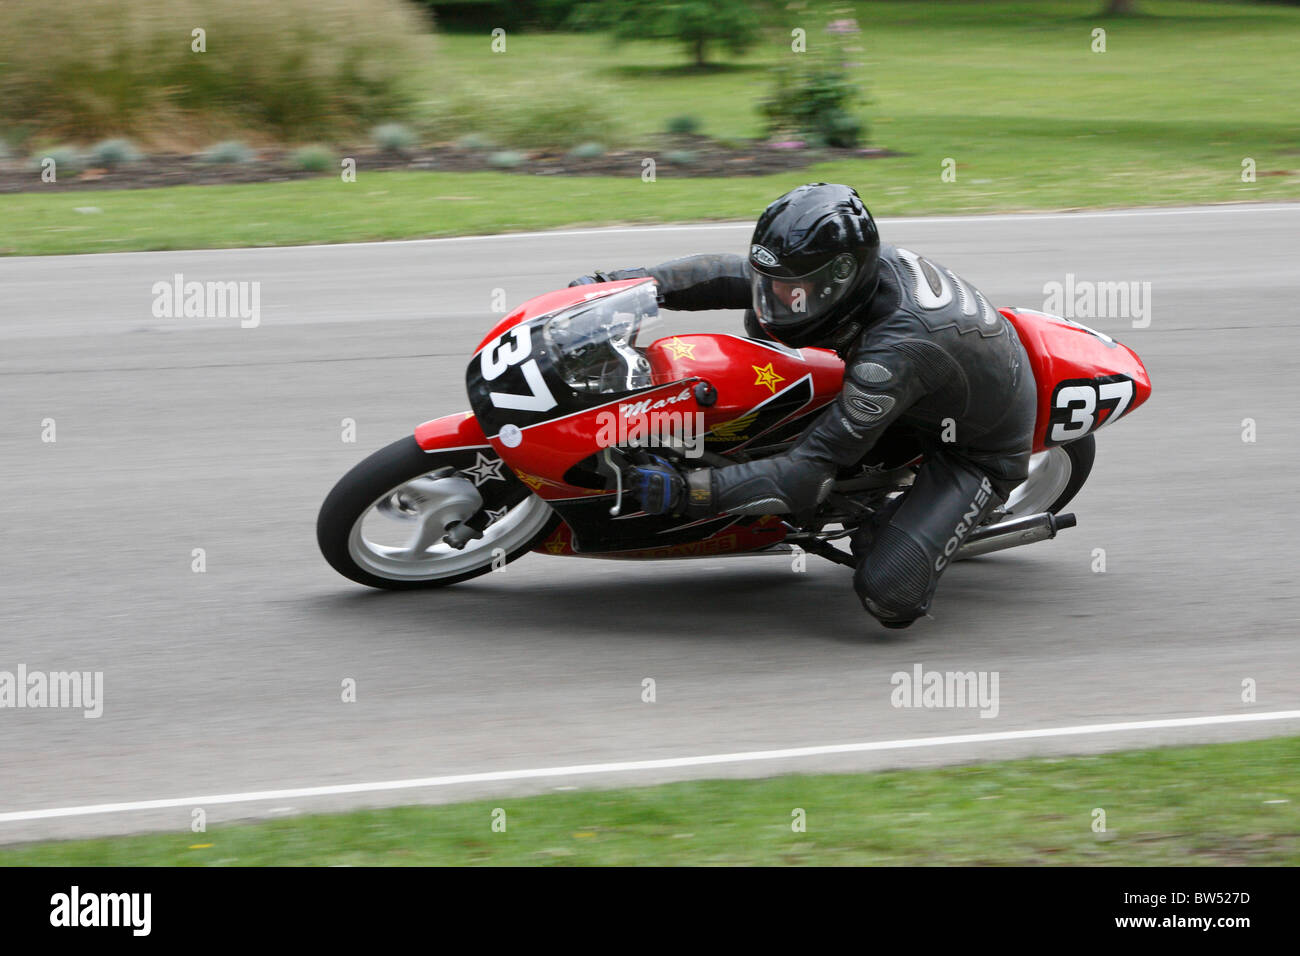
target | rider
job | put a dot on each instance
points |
(923, 350)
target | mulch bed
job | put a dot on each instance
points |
(707, 158)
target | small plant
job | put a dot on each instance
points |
(814, 105)
(66, 160)
(114, 152)
(506, 159)
(229, 153)
(393, 137)
(475, 141)
(684, 125)
(587, 151)
(313, 159)
(680, 157)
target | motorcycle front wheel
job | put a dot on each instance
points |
(382, 525)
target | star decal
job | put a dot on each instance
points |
(767, 377)
(497, 515)
(484, 469)
(681, 349)
(556, 544)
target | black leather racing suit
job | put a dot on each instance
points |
(926, 352)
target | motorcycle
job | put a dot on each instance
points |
(563, 398)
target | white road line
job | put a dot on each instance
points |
(1224, 208)
(631, 765)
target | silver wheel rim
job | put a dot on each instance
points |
(1049, 473)
(423, 556)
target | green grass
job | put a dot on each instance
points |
(1220, 804)
(1010, 91)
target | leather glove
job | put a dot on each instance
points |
(592, 279)
(656, 486)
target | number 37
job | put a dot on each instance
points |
(1082, 405)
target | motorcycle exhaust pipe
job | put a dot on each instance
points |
(1014, 533)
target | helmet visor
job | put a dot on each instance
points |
(787, 303)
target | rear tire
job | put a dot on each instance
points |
(1055, 477)
(525, 522)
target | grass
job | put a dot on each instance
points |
(1220, 804)
(1010, 91)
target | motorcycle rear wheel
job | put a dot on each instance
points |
(1055, 477)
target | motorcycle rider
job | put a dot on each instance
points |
(924, 353)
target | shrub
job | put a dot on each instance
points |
(230, 153)
(393, 137)
(506, 159)
(114, 152)
(684, 125)
(814, 104)
(313, 159)
(587, 151)
(680, 157)
(66, 160)
(108, 67)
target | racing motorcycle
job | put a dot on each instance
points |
(563, 400)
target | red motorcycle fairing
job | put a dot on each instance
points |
(550, 428)
(1085, 378)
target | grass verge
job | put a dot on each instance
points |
(1220, 804)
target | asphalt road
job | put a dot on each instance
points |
(177, 434)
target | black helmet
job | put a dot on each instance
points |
(814, 258)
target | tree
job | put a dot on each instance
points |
(696, 24)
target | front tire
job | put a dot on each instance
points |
(366, 516)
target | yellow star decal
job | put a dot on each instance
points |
(767, 377)
(681, 349)
(556, 544)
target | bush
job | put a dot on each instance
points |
(814, 104)
(291, 67)
(313, 159)
(114, 152)
(230, 153)
(684, 125)
(587, 151)
(506, 159)
(680, 157)
(66, 160)
(393, 137)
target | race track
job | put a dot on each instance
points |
(177, 434)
